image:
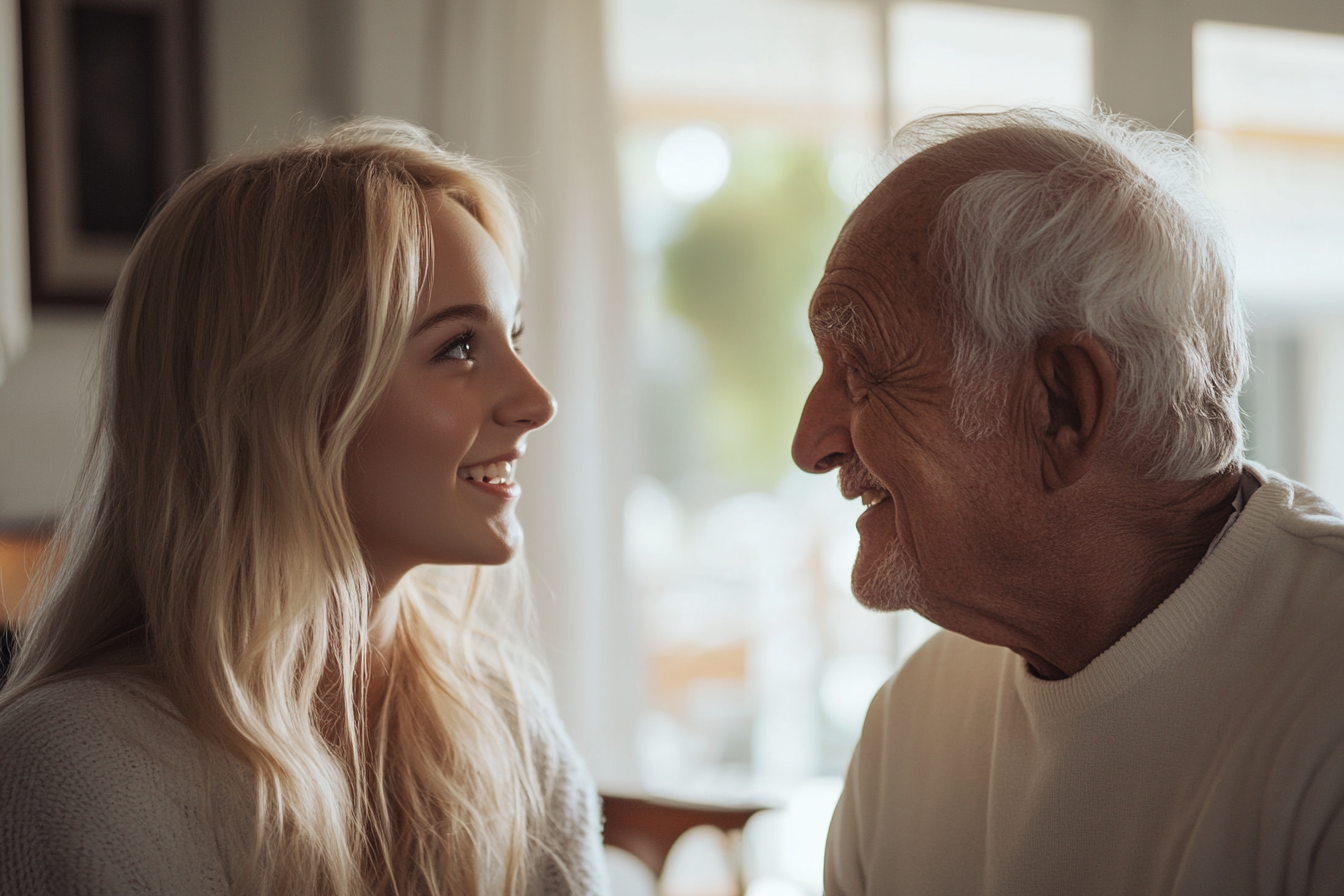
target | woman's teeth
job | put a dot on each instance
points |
(492, 474)
(874, 496)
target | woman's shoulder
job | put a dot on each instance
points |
(563, 774)
(571, 859)
(97, 723)
(102, 784)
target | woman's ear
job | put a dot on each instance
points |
(1077, 378)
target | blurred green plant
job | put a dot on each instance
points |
(741, 271)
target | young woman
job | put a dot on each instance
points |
(283, 650)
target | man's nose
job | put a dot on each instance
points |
(822, 441)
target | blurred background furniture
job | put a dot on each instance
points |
(647, 827)
(20, 553)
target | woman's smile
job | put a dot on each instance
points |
(494, 477)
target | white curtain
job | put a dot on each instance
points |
(522, 83)
(14, 296)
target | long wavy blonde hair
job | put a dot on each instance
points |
(209, 546)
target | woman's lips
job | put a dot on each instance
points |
(499, 490)
(493, 477)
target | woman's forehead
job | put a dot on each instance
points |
(465, 261)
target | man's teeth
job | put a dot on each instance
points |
(494, 474)
(874, 496)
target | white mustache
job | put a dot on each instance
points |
(855, 477)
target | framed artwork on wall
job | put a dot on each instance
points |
(112, 120)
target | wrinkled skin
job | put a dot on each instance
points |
(1043, 537)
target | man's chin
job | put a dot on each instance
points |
(887, 582)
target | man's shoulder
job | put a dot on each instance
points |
(1290, 558)
(948, 655)
(1297, 511)
(947, 667)
(925, 740)
(1280, 566)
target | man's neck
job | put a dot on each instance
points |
(1128, 564)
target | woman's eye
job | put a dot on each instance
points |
(458, 349)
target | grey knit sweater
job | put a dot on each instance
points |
(103, 790)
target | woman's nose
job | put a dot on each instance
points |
(532, 406)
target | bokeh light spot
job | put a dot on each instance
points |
(693, 162)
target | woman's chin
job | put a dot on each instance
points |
(492, 552)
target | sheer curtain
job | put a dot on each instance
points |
(14, 299)
(523, 83)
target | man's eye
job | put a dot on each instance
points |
(856, 384)
(457, 349)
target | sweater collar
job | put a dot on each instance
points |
(1186, 616)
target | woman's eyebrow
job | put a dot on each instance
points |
(471, 311)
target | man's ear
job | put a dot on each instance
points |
(1078, 380)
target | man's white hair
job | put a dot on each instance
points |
(1095, 223)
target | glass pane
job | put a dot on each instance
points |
(748, 130)
(955, 56)
(1268, 116)
(746, 127)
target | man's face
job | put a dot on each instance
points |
(937, 526)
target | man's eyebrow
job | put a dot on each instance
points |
(838, 321)
(471, 311)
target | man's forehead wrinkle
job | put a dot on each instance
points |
(879, 277)
(886, 349)
(872, 300)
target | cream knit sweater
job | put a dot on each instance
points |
(103, 791)
(1202, 754)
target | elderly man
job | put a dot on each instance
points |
(1031, 351)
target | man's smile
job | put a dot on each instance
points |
(857, 481)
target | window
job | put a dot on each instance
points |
(953, 56)
(748, 132)
(1268, 116)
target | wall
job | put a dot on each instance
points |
(14, 317)
(263, 74)
(43, 404)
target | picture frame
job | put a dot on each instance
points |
(112, 121)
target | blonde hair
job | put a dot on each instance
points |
(256, 322)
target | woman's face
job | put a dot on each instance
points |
(431, 477)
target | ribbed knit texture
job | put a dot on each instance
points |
(104, 791)
(1203, 753)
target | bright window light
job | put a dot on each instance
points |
(1269, 117)
(809, 62)
(1268, 79)
(956, 56)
